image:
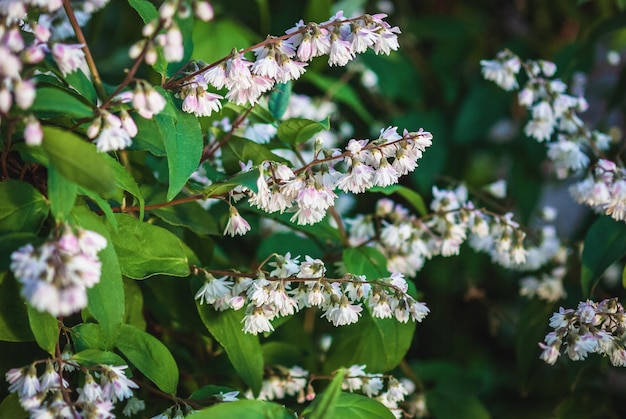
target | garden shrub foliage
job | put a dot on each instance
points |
(124, 198)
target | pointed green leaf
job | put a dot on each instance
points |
(366, 261)
(243, 350)
(106, 298)
(22, 207)
(90, 336)
(45, 329)
(124, 180)
(11, 408)
(605, 243)
(14, 326)
(295, 131)
(52, 101)
(279, 99)
(149, 356)
(146, 10)
(62, 194)
(81, 83)
(183, 145)
(356, 406)
(144, 249)
(239, 149)
(78, 161)
(91, 357)
(324, 405)
(244, 409)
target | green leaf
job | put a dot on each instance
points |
(243, 350)
(11, 408)
(324, 405)
(14, 325)
(410, 195)
(366, 261)
(443, 403)
(22, 207)
(92, 357)
(45, 329)
(79, 82)
(11, 242)
(295, 131)
(356, 406)
(149, 137)
(604, 244)
(62, 194)
(52, 101)
(244, 409)
(339, 91)
(103, 204)
(474, 118)
(144, 249)
(124, 180)
(318, 10)
(381, 344)
(247, 179)
(279, 99)
(90, 336)
(134, 304)
(217, 39)
(146, 10)
(183, 145)
(106, 298)
(209, 392)
(78, 161)
(150, 356)
(239, 149)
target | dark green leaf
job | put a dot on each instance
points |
(90, 336)
(243, 350)
(106, 298)
(443, 403)
(298, 130)
(366, 261)
(410, 195)
(247, 179)
(14, 326)
(150, 357)
(11, 408)
(217, 39)
(146, 10)
(79, 82)
(78, 161)
(62, 194)
(356, 406)
(318, 10)
(45, 329)
(209, 393)
(134, 304)
(279, 99)
(52, 101)
(103, 204)
(324, 405)
(149, 137)
(124, 180)
(183, 144)
(244, 409)
(605, 243)
(145, 250)
(22, 207)
(92, 357)
(381, 344)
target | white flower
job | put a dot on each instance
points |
(214, 289)
(343, 313)
(236, 225)
(115, 384)
(69, 57)
(258, 320)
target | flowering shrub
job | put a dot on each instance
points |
(196, 221)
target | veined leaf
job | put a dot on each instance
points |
(53, 101)
(298, 130)
(22, 207)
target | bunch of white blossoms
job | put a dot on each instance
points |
(591, 328)
(56, 275)
(296, 382)
(284, 58)
(309, 193)
(49, 395)
(408, 241)
(553, 111)
(293, 285)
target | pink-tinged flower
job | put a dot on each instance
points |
(148, 102)
(33, 135)
(69, 57)
(216, 76)
(361, 38)
(340, 52)
(238, 72)
(343, 313)
(10, 65)
(387, 40)
(290, 69)
(358, 179)
(203, 10)
(236, 225)
(91, 391)
(24, 92)
(258, 320)
(115, 385)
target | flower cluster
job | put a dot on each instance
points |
(297, 382)
(284, 58)
(163, 32)
(553, 111)
(48, 395)
(309, 193)
(293, 285)
(55, 276)
(408, 241)
(591, 328)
